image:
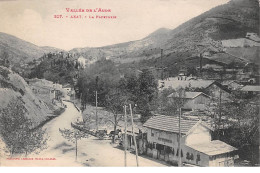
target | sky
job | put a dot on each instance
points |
(33, 20)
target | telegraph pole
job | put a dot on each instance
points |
(179, 144)
(136, 151)
(76, 140)
(162, 69)
(125, 139)
(96, 103)
(96, 113)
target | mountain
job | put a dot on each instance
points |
(128, 51)
(228, 21)
(200, 34)
(19, 51)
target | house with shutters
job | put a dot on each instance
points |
(197, 147)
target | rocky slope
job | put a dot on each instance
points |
(12, 87)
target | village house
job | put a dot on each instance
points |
(250, 41)
(232, 85)
(67, 88)
(217, 91)
(68, 91)
(57, 86)
(45, 87)
(82, 61)
(251, 90)
(187, 82)
(193, 100)
(197, 146)
(253, 36)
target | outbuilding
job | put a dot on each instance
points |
(193, 100)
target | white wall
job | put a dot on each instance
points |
(159, 137)
(199, 102)
(200, 134)
(221, 160)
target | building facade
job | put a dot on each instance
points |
(193, 100)
(197, 147)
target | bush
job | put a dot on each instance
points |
(16, 130)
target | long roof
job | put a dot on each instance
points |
(189, 82)
(255, 88)
(226, 58)
(189, 95)
(169, 124)
(213, 148)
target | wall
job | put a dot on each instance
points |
(221, 160)
(200, 134)
(173, 157)
(197, 103)
(204, 159)
(161, 137)
(214, 91)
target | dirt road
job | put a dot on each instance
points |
(91, 151)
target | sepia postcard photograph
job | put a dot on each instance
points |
(129, 83)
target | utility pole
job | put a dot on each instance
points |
(136, 151)
(125, 139)
(220, 103)
(200, 59)
(80, 98)
(179, 144)
(96, 113)
(76, 140)
(96, 103)
(162, 70)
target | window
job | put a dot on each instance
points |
(191, 156)
(168, 150)
(152, 134)
(154, 145)
(188, 156)
(173, 151)
(198, 158)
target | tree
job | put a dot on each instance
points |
(108, 77)
(115, 100)
(171, 105)
(163, 101)
(73, 136)
(147, 92)
(238, 125)
(17, 131)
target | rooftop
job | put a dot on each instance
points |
(189, 95)
(66, 86)
(255, 88)
(169, 124)
(226, 58)
(176, 83)
(213, 148)
(241, 42)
